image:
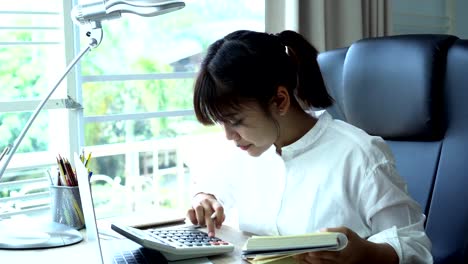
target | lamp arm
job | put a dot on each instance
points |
(95, 39)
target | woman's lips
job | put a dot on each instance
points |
(244, 147)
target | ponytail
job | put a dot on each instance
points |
(310, 85)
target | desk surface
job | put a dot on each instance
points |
(78, 253)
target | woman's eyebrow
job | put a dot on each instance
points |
(227, 115)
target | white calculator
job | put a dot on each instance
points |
(176, 243)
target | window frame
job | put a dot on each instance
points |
(71, 90)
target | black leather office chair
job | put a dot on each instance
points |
(412, 90)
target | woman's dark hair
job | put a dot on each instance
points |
(249, 66)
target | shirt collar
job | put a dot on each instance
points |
(307, 141)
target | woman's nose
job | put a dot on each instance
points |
(231, 134)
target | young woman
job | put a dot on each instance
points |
(329, 175)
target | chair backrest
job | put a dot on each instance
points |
(412, 90)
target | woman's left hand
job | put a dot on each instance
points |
(356, 251)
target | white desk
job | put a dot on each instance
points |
(80, 252)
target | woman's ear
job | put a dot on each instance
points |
(282, 101)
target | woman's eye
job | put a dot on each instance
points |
(236, 122)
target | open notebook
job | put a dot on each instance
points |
(115, 250)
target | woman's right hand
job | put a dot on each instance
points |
(206, 211)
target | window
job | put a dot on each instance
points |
(135, 90)
(31, 52)
(432, 16)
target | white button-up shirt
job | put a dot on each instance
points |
(335, 175)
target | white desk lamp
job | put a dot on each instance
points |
(54, 234)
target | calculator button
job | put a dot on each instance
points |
(183, 238)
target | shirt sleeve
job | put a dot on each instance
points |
(209, 182)
(393, 216)
(215, 175)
